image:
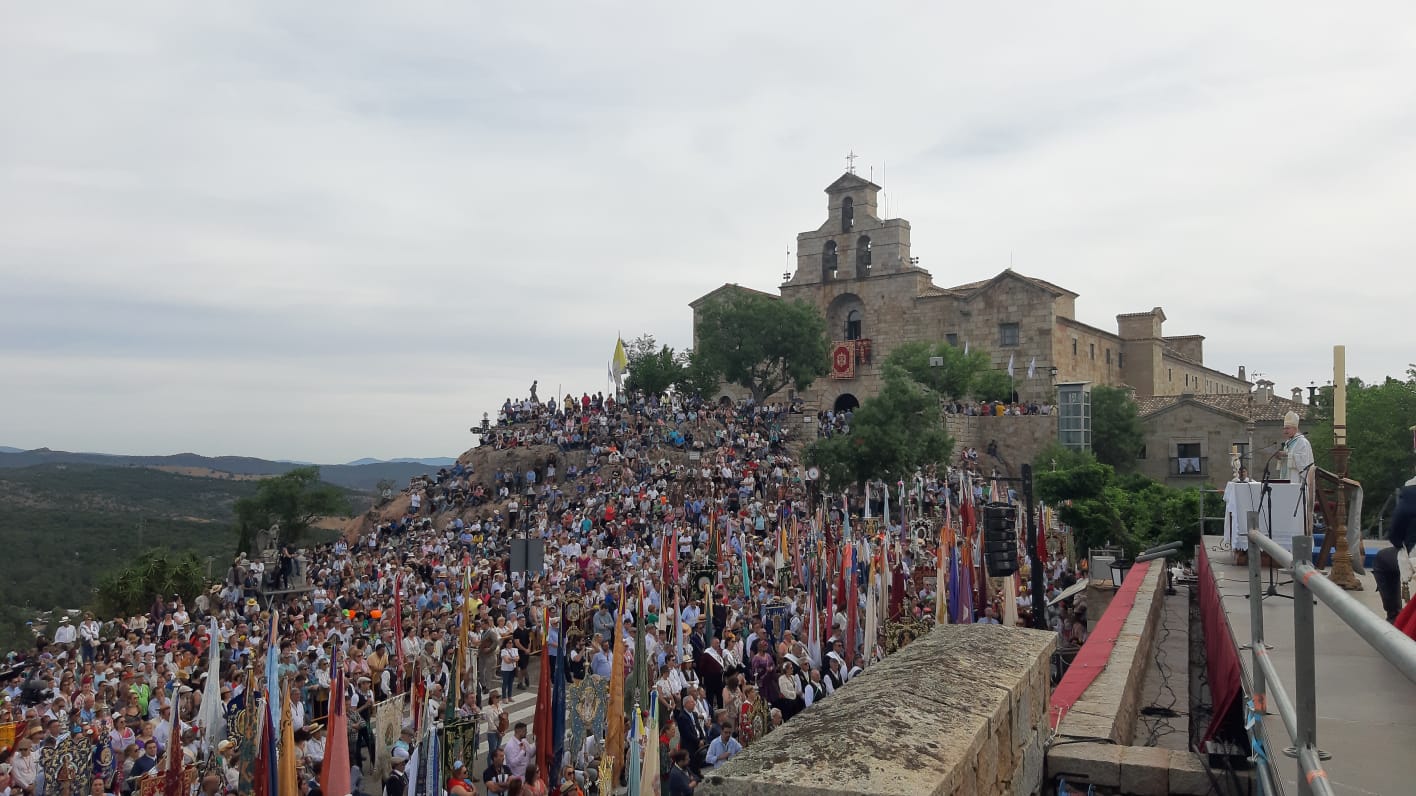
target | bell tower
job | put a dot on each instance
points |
(854, 243)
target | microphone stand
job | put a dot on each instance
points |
(1266, 494)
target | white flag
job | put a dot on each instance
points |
(1032, 367)
(966, 348)
(1010, 366)
(212, 715)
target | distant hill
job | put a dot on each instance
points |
(432, 461)
(64, 525)
(8, 449)
(365, 476)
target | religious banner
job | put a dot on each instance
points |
(67, 765)
(388, 727)
(151, 785)
(459, 742)
(843, 359)
(9, 733)
(587, 701)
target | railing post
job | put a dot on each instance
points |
(1256, 627)
(1305, 697)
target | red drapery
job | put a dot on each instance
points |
(1092, 657)
(1221, 658)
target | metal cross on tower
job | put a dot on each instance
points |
(850, 161)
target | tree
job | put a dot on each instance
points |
(762, 343)
(1116, 428)
(294, 499)
(1103, 508)
(696, 377)
(1379, 421)
(992, 385)
(652, 369)
(891, 435)
(152, 576)
(953, 379)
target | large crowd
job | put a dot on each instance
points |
(643, 494)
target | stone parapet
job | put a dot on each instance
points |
(962, 710)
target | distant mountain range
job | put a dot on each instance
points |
(362, 474)
(431, 461)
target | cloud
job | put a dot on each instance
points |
(325, 232)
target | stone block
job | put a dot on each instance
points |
(1188, 775)
(1028, 769)
(1090, 763)
(1145, 770)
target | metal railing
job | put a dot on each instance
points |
(1300, 718)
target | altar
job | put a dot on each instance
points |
(1243, 497)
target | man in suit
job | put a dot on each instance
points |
(691, 732)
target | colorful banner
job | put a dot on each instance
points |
(843, 359)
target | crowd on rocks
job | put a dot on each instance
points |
(660, 491)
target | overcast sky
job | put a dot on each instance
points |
(329, 230)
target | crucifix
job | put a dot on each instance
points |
(850, 161)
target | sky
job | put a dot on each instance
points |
(322, 231)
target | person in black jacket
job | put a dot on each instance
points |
(1402, 535)
(681, 783)
(691, 733)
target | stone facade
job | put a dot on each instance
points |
(857, 268)
(1020, 438)
(1188, 438)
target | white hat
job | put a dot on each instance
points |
(1290, 420)
(400, 754)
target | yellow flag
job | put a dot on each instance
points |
(619, 362)
(286, 779)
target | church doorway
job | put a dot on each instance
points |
(845, 402)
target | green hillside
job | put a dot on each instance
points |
(65, 525)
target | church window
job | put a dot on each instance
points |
(853, 325)
(1108, 356)
(863, 256)
(952, 339)
(1092, 346)
(1074, 346)
(1121, 359)
(1007, 334)
(1170, 374)
(847, 214)
(828, 260)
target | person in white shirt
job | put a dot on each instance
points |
(519, 751)
(723, 748)
(65, 634)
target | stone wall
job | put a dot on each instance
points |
(1020, 438)
(1110, 705)
(961, 710)
(1190, 422)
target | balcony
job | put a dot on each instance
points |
(1182, 466)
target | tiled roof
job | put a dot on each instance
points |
(1034, 281)
(1235, 404)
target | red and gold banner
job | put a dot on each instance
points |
(843, 357)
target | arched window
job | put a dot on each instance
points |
(847, 214)
(828, 260)
(863, 256)
(853, 325)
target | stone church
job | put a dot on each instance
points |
(857, 268)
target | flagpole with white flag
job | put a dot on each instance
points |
(212, 715)
(1010, 378)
